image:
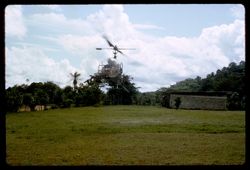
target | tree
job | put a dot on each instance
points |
(68, 92)
(51, 89)
(67, 103)
(75, 78)
(68, 96)
(14, 99)
(234, 102)
(33, 87)
(147, 98)
(188, 84)
(207, 84)
(58, 98)
(120, 88)
(123, 92)
(28, 100)
(41, 97)
(93, 95)
(177, 102)
(88, 95)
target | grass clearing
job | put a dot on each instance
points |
(125, 135)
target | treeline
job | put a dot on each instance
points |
(230, 79)
(50, 94)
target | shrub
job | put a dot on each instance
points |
(177, 102)
(67, 103)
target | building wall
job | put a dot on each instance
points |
(24, 108)
(39, 107)
(199, 102)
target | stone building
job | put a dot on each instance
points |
(199, 100)
(25, 108)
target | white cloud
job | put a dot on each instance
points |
(84, 47)
(32, 63)
(162, 60)
(53, 18)
(14, 21)
(38, 46)
(230, 39)
(238, 11)
(78, 44)
(112, 21)
(59, 24)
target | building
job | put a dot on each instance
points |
(25, 108)
(198, 100)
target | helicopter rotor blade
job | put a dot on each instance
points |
(104, 48)
(106, 38)
(114, 47)
(119, 51)
(127, 48)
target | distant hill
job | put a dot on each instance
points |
(231, 78)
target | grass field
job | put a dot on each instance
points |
(125, 135)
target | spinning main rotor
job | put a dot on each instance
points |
(114, 47)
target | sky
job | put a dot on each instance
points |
(172, 41)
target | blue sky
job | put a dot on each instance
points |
(181, 20)
(173, 42)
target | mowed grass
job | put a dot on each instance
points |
(125, 135)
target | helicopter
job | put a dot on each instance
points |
(112, 69)
(111, 72)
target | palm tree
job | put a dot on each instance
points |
(75, 78)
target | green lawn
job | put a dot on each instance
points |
(125, 135)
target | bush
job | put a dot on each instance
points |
(234, 102)
(67, 103)
(53, 106)
(97, 105)
(13, 99)
(177, 102)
